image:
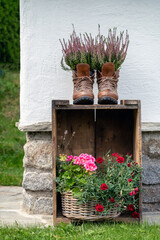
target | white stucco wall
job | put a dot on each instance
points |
(43, 22)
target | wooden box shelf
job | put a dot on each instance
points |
(98, 128)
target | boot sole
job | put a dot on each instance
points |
(107, 100)
(83, 101)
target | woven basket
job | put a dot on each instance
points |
(71, 209)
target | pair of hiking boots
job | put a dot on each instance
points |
(83, 80)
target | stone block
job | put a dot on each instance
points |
(151, 194)
(34, 136)
(37, 181)
(39, 203)
(151, 173)
(151, 145)
(43, 205)
(151, 207)
(38, 154)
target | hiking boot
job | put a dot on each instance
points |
(83, 81)
(107, 84)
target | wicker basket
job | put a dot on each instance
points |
(71, 209)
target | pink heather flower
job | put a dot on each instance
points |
(130, 193)
(90, 166)
(77, 160)
(130, 180)
(69, 158)
(134, 192)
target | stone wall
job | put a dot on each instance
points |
(37, 179)
(151, 171)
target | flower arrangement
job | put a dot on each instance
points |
(112, 181)
(94, 51)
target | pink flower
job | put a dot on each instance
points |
(129, 180)
(134, 192)
(130, 193)
(69, 158)
(84, 157)
(129, 164)
(90, 166)
(77, 160)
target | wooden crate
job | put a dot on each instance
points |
(97, 128)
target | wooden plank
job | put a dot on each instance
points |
(54, 157)
(137, 149)
(124, 219)
(59, 103)
(89, 107)
(114, 131)
(130, 102)
(79, 123)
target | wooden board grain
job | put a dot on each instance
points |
(114, 131)
(80, 137)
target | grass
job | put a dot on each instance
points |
(11, 139)
(101, 231)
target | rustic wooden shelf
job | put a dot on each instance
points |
(98, 128)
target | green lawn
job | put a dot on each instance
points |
(11, 139)
(89, 231)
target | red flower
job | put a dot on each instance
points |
(132, 174)
(120, 159)
(115, 154)
(132, 193)
(135, 215)
(104, 186)
(99, 208)
(131, 207)
(112, 200)
(130, 180)
(136, 189)
(129, 164)
(99, 160)
(117, 205)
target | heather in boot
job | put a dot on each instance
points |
(83, 85)
(107, 81)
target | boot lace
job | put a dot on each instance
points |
(109, 83)
(83, 83)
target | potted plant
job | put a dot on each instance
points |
(99, 188)
(84, 54)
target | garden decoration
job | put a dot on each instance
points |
(95, 189)
(104, 55)
(83, 84)
(107, 84)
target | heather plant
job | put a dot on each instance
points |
(78, 49)
(94, 51)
